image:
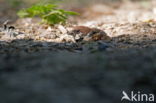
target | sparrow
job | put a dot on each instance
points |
(88, 34)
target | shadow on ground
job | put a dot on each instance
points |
(51, 74)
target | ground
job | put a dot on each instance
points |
(42, 63)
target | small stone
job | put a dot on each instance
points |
(62, 29)
(66, 38)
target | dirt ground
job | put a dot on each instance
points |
(41, 63)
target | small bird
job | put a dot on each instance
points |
(88, 34)
(81, 29)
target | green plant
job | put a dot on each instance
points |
(49, 13)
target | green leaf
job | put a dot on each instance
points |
(47, 12)
(71, 13)
(22, 13)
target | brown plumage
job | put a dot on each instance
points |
(81, 29)
(90, 34)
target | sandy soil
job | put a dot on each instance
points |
(41, 63)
